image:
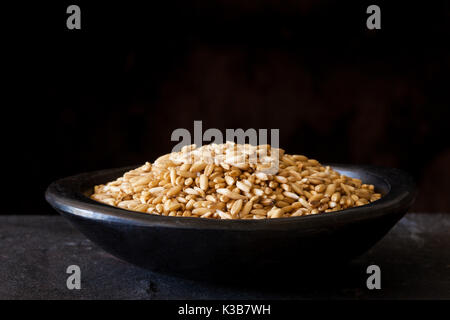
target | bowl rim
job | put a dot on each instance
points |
(66, 196)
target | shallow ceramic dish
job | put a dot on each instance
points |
(207, 248)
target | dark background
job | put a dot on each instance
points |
(111, 94)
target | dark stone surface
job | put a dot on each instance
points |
(36, 250)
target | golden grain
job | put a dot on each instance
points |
(219, 182)
(236, 207)
(242, 186)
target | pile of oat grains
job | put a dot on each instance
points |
(234, 181)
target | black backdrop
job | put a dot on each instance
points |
(111, 94)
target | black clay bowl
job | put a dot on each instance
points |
(207, 248)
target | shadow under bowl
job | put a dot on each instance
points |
(210, 249)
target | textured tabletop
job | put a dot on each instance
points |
(35, 251)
